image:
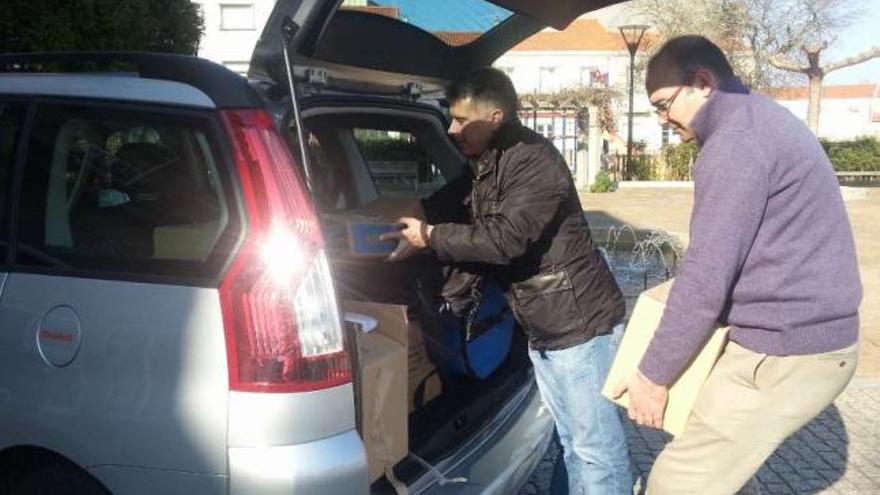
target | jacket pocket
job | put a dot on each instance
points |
(546, 305)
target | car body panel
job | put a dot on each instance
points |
(148, 388)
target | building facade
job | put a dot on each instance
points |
(586, 54)
(846, 111)
(232, 28)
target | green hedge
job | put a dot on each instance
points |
(862, 154)
(678, 159)
(640, 167)
(391, 150)
(604, 183)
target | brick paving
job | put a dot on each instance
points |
(838, 453)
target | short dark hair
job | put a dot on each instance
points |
(486, 85)
(686, 55)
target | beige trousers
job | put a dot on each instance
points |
(749, 404)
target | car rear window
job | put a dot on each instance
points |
(398, 162)
(117, 189)
(11, 121)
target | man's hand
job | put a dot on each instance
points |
(413, 238)
(647, 400)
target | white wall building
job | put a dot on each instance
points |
(585, 54)
(232, 28)
(846, 111)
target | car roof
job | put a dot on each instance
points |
(150, 76)
(106, 87)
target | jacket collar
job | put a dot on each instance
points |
(506, 136)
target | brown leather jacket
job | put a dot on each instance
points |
(522, 222)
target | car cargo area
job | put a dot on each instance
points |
(369, 166)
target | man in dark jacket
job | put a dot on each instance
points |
(524, 226)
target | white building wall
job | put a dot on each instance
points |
(232, 28)
(526, 69)
(839, 119)
(548, 71)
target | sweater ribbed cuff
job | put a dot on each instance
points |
(657, 369)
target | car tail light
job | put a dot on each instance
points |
(283, 330)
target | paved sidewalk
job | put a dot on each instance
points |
(837, 453)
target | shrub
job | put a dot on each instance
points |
(604, 183)
(861, 154)
(678, 159)
(640, 167)
(391, 150)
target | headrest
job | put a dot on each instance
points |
(134, 161)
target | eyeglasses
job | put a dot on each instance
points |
(662, 108)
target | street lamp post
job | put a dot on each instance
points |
(632, 36)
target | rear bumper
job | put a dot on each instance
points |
(501, 459)
(333, 465)
(498, 460)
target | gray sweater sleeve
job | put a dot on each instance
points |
(731, 192)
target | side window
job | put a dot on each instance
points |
(121, 190)
(398, 163)
(11, 121)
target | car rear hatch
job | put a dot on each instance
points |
(356, 57)
(434, 40)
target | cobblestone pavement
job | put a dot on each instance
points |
(837, 453)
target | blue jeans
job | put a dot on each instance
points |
(588, 424)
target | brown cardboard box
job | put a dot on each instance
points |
(382, 381)
(639, 330)
(422, 371)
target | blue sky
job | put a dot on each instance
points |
(449, 15)
(863, 34)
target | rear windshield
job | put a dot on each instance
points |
(455, 22)
(117, 189)
(11, 122)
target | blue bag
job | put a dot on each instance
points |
(478, 341)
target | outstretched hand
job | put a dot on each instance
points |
(413, 237)
(647, 400)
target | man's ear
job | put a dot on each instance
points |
(496, 117)
(705, 81)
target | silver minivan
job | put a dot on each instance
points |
(169, 318)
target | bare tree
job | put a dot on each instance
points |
(813, 30)
(742, 30)
(769, 42)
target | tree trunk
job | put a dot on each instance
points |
(815, 102)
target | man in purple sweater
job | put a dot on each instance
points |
(771, 254)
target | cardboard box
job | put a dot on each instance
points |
(382, 383)
(424, 382)
(639, 330)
